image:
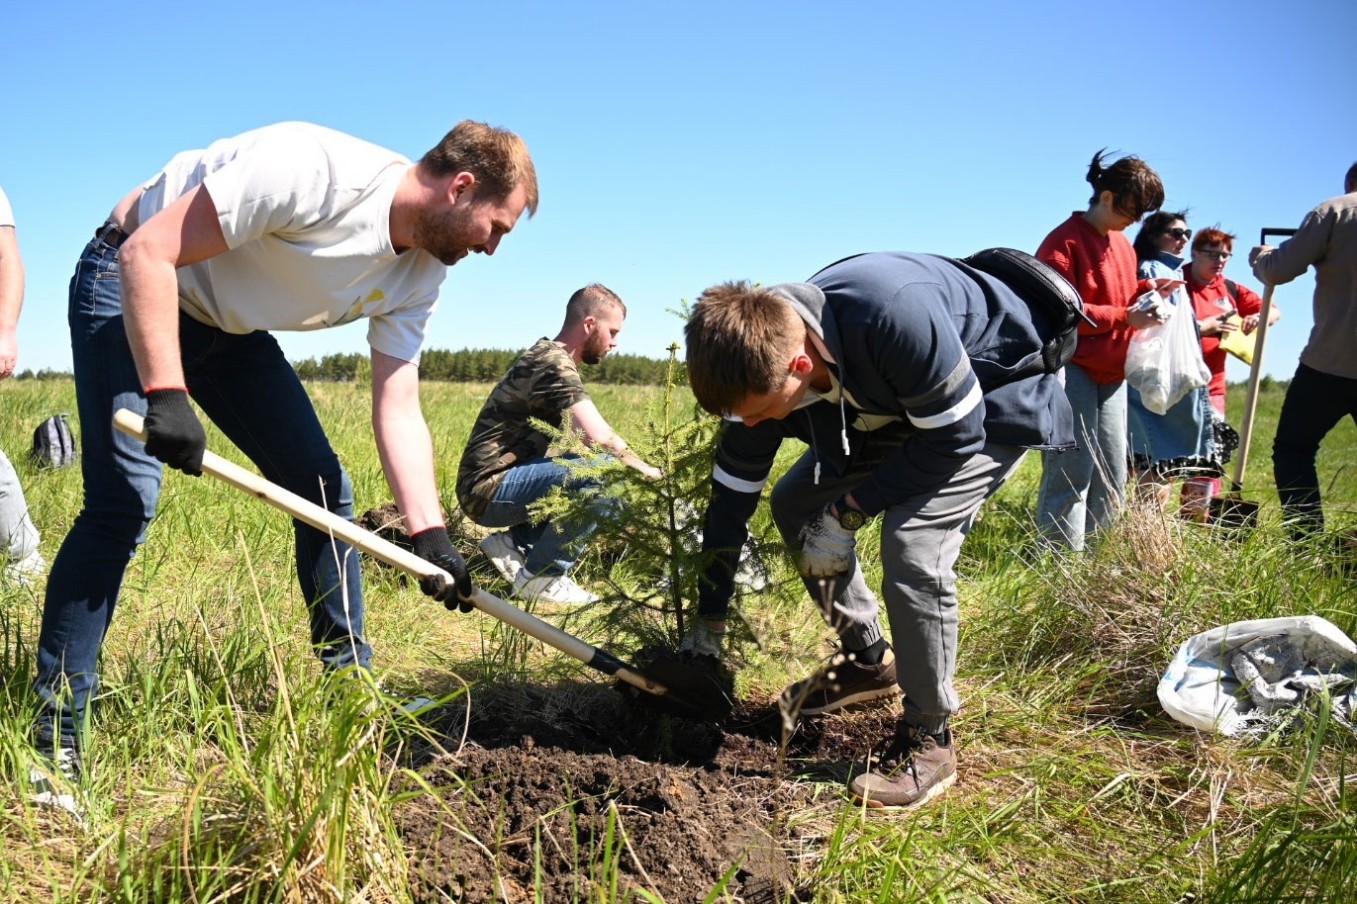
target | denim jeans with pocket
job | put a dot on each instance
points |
(1083, 490)
(246, 387)
(552, 546)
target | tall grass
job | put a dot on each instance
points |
(225, 768)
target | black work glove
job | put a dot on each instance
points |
(435, 547)
(173, 432)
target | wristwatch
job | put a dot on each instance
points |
(849, 517)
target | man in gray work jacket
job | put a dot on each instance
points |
(901, 373)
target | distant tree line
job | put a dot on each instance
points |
(482, 365)
(487, 365)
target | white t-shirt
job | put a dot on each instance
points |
(306, 215)
(6, 214)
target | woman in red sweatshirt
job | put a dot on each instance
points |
(1083, 490)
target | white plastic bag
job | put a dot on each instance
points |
(1201, 688)
(1164, 362)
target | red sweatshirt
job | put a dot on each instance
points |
(1103, 269)
(1211, 300)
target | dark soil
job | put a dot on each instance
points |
(386, 522)
(547, 782)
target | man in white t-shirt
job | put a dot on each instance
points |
(292, 227)
(19, 557)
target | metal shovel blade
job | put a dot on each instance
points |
(1234, 513)
(700, 688)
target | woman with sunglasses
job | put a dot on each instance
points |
(1217, 301)
(1082, 490)
(1180, 443)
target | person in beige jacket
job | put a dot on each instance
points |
(1324, 389)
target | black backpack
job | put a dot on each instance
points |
(1055, 304)
(54, 444)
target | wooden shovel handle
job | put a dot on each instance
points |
(322, 519)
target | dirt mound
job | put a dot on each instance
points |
(551, 781)
(549, 813)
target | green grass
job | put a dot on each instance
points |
(224, 768)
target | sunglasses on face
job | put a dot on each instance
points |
(1215, 255)
(1183, 234)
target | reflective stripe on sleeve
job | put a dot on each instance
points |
(735, 483)
(956, 413)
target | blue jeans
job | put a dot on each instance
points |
(1315, 402)
(551, 546)
(1082, 490)
(247, 388)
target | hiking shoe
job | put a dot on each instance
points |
(504, 554)
(54, 781)
(557, 589)
(841, 682)
(913, 768)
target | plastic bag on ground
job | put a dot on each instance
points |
(1241, 677)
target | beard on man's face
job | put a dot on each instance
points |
(596, 348)
(444, 236)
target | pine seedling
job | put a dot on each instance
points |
(649, 544)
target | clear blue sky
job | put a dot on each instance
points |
(678, 145)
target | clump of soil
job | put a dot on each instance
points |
(546, 782)
(386, 522)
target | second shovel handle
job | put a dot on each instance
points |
(1267, 231)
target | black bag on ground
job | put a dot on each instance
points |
(1055, 304)
(54, 443)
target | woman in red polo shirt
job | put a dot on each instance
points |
(1216, 306)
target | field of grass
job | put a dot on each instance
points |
(224, 768)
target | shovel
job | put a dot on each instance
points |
(682, 687)
(1232, 511)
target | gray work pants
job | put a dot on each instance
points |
(920, 540)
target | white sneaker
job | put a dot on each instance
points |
(504, 554)
(54, 783)
(703, 639)
(410, 705)
(27, 569)
(547, 588)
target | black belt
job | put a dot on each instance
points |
(110, 234)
